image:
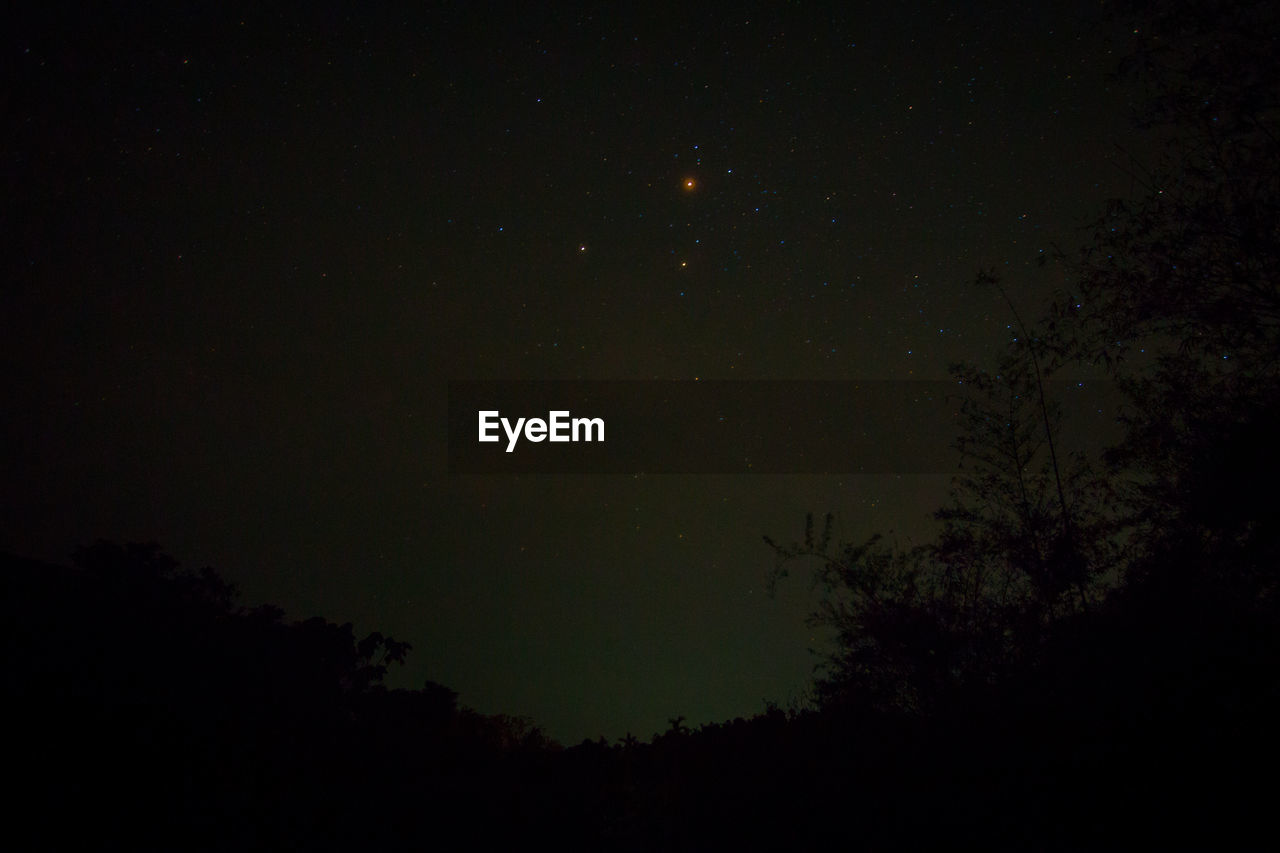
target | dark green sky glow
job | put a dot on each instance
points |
(244, 252)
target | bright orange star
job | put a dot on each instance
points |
(690, 184)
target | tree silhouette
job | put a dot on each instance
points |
(1190, 266)
(1179, 292)
(1026, 541)
(156, 708)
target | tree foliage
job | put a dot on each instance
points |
(1186, 277)
(1025, 541)
(1189, 268)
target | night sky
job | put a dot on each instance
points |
(244, 252)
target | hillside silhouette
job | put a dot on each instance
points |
(151, 711)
